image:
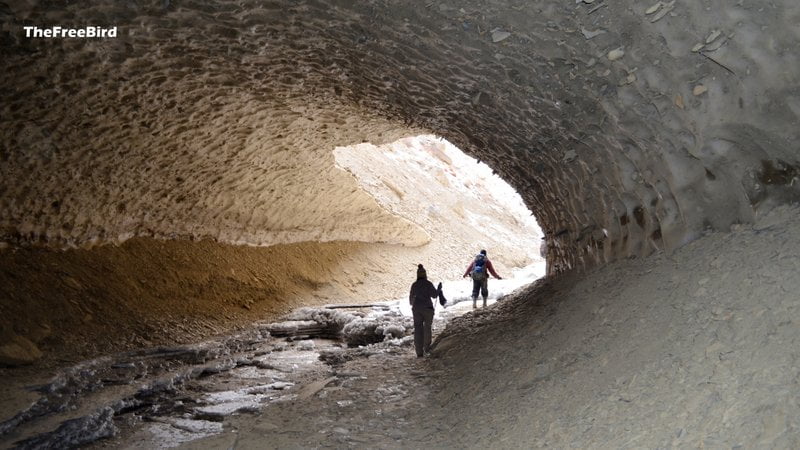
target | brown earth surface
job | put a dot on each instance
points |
(696, 349)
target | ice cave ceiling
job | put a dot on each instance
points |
(627, 126)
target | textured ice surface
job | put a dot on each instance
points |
(242, 152)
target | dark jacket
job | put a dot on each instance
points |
(422, 291)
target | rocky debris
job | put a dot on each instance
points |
(164, 367)
(185, 393)
(74, 432)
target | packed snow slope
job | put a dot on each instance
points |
(699, 349)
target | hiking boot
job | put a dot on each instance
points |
(484, 303)
(474, 303)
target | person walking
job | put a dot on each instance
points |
(422, 291)
(479, 270)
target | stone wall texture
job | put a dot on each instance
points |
(626, 126)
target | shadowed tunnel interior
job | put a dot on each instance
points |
(628, 128)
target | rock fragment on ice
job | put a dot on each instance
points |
(616, 54)
(679, 101)
(714, 34)
(590, 34)
(664, 11)
(653, 8)
(699, 90)
(500, 35)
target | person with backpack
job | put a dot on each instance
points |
(479, 270)
(422, 291)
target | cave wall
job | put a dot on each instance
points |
(626, 126)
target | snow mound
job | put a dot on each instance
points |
(373, 330)
(323, 316)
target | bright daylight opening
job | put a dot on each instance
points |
(460, 203)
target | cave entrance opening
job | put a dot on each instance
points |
(460, 202)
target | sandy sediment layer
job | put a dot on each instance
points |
(81, 303)
(84, 302)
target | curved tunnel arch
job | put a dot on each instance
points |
(624, 130)
(627, 128)
(187, 119)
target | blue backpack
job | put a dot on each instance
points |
(479, 268)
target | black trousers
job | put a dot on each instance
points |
(423, 328)
(482, 286)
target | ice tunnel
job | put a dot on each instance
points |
(161, 163)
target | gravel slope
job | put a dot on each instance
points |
(698, 349)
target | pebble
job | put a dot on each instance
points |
(500, 35)
(667, 8)
(679, 101)
(616, 54)
(699, 90)
(590, 34)
(715, 34)
(653, 9)
(570, 155)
